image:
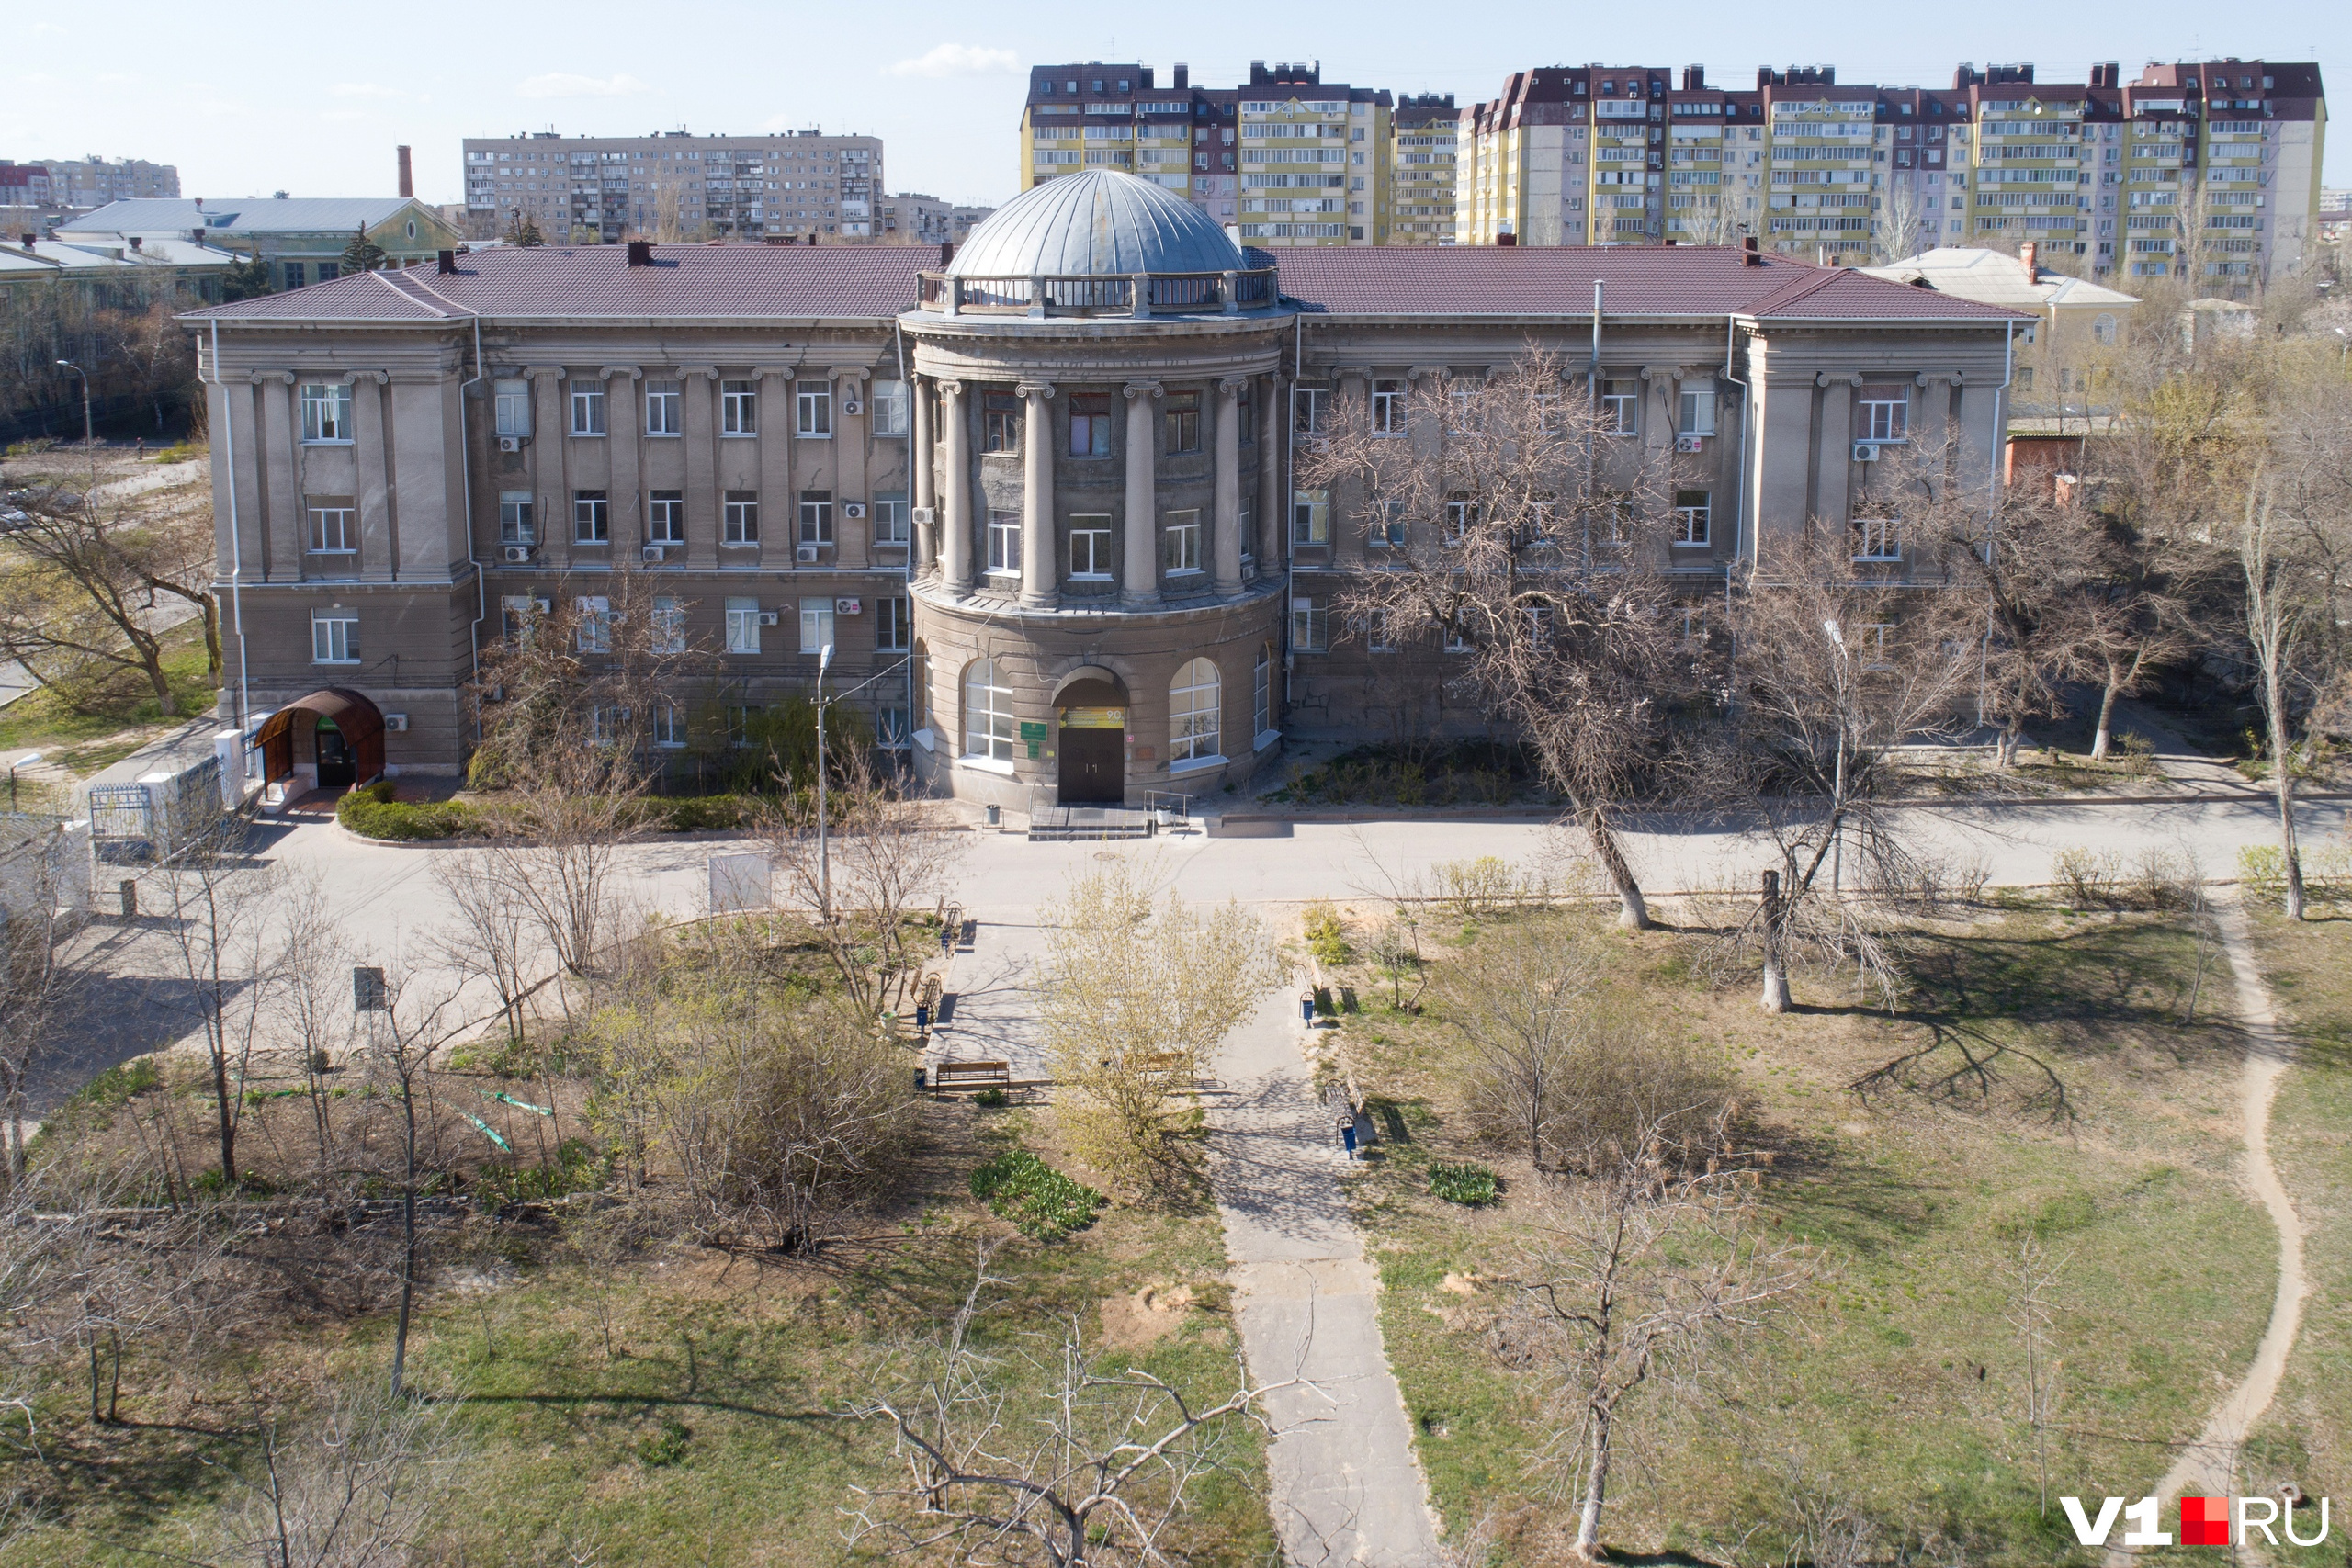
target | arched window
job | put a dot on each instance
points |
(1261, 692)
(1191, 713)
(2103, 329)
(987, 711)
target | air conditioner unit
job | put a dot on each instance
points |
(853, 510)
(1690, 444)
(512, 443)
(805, 552)
(1866, 451)
(768, 617)
(396, 722)
(657, 552)
(923, 515)
(848, 607)
(517, 554)
(850, 405)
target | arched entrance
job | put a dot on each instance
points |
(345, 739)
(1093, 711)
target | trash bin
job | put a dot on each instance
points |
(923, 1019)
(992, 815)
(1306, 1006)
(922, 1076)
(1348, 1136)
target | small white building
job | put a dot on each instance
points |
(2055, 356)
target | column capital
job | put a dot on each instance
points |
(1823, 378)
(631, 371)
(849, 372)
(948, 386)
(707, 372)
(531, 372)
(286, 377)
(352, 378)
(1034, 388)
(1421, 372)
(1144, 390)
(1231, 386)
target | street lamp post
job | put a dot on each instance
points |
(23, 762)
(824, 856)
(89, 441)
(1838, 801)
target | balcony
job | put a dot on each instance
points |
(1178, 293)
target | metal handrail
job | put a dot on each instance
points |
(1177, 807)
(1075, 293)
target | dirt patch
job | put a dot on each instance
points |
(1146, 1317)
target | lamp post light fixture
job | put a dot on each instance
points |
(89, 441)
(824, 856)
(26, 760)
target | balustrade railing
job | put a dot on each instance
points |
(1066, 295)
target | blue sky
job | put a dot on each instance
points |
(312, 100)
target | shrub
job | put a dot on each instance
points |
(1475, 888)
(2087, 877)
(1470, 1185)
(2137, 754)
(700, 814)
(2164, 879)
(1045, 1204)
(994, 1098)
(1325, 937)
(372, 813)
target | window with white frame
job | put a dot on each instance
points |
(2103, 331)
(1261, 692)
(1693, 515)
(893, 730)
(1874, 539)
(1620, 407)
(1379, 634)
(1309, 406)
(669, 725)
(890, 517)
(987, 711)
(1180, 543)
(519, 613)
(595, 625)
(1698, 412)
(510, 405)
(1388, 408)
(739, 408)
(1089, 426)
(516, 523)
(1876, 645)
(669, 624)
(1004, 544)
(591, 522)
(739, 517)
(741, 718)
(816, 517)
(334, 530)
(814, 402)
(815, 625)
(587, 408)
(742, 625)
(1461, 516)
(886, 408)
(335, 637)
(665, 408)
(1539, 626)
(665, 517)
(1310, 620)
(893, 625)
(1310, 517)
(1457, 640)
(1882, 414)
(1089, 549)
(1191, 713)
(327, 413)
(607, 721)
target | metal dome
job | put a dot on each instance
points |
(1099, 223)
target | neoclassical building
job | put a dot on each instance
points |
(1038, 495)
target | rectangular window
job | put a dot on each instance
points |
(520, 613)
(668, 625)
(886, 408)
(665, 408)
(1378, 634)
(815, 625)
(1388, 528)
(742, 625)
(335, 637)
(1263, 694)
(1089, 427)
(739, 408)
(1089, 547)
(1000, 429)
(1698, 412)
(1692, 517)
(1461, 516)
(591, 517)
(1620, 406)
(1539, 626)
(816, 517)
(740, 522)
(596, 626)
(1183, 419)
(1874, 539)
(893, 626)
(1388, 408)
(606, 722)
(740, 718)
(665, 517)
(587, 408)
(295, 272)
(1457, 641)
(1884, 414)
(1004, 543)
(892, 731)
(1180, 543)
(326, 413)
(1310, 517)
(511, 405)
(1309, 625)
(1309, 405)
(814, 402)
(516, 525)
(334, 530)
(890, 517)
(669, 725)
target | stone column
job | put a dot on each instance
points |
(1226, 552)
(956, 505)
(1040, 582)
(1271, 507)
(1140, 576)
(921, 484)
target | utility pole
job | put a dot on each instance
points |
(89, 441)
(824, 850)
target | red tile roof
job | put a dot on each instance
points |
(575, 282)
(1528, 280)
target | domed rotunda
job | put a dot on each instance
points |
(1097, 506)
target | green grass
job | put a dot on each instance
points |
(2101, 1126)
(84, 742)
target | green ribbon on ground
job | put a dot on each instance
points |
(488, 1131)
(504, 1099)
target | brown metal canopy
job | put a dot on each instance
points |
(361, 722)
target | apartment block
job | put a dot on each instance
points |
(2211, 168)
(911, 218)
(1286, 159)
(94, 181)
(801, 186)
(1422, 132)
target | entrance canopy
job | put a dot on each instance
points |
(358, 719)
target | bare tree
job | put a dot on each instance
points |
(1645, 1269)
(39, 971)
(1527, 530)
(2034, 1276)
(1903, 221)
(1138, 993)
(489, 937)
(217, 906)
(311, 1017)
(355, 1486)
(399, 1036)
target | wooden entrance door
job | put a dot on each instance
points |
(1094, 767)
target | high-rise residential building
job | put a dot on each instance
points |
(94, 181)
(799, 185)
(1422, 129)
(1286, 159)
(2208, 169)
(912, 218)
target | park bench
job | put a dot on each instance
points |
(955, 1077)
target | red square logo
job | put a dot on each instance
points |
(2204, 1521)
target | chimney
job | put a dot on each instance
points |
(408, 180)
(448, 264)
(640, 252)
(134, 241)
(26, 240)
(2027, 254)
(1506, 238)
(1183, 76)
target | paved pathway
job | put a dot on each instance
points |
(1346, 1485)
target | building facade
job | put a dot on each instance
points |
(1422, 132)
(908, 218)
(86, 183)
(676, 186)
(1041, 497)
(302, 241)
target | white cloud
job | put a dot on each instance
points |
(958, 60)
(564, 84)
(363, 90)
(49, 29)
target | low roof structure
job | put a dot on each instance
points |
(1995, 277)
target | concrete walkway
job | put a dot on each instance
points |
(1347, 1487)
